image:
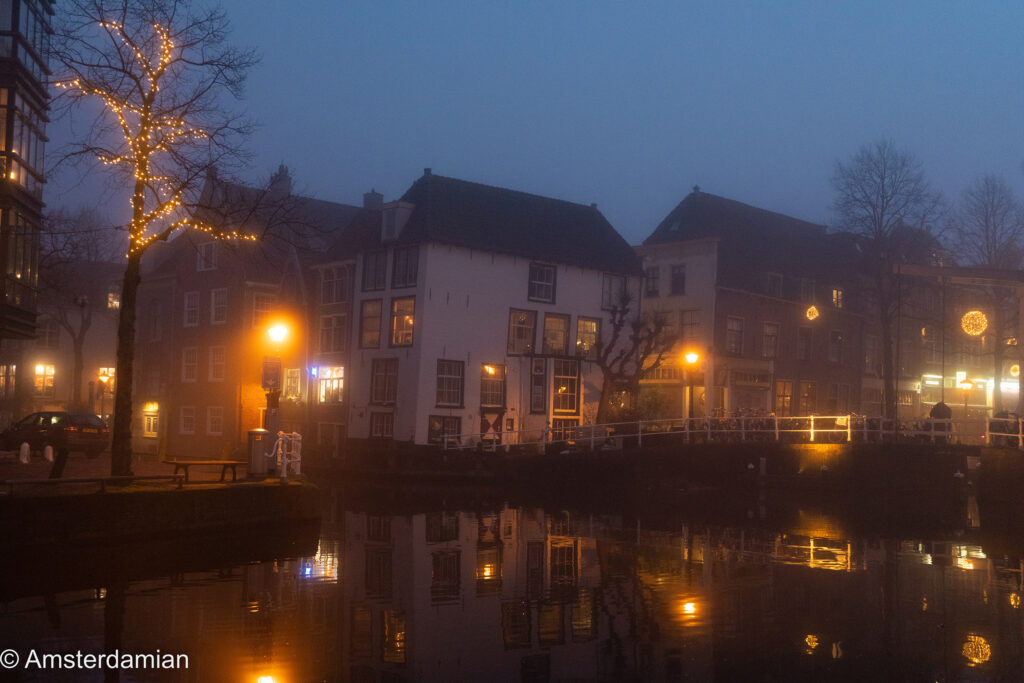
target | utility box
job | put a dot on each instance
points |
(260, 444)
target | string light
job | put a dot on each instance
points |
(974, 323)
(146, 135)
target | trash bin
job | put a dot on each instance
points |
(259, 445)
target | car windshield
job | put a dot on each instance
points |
(87, 420)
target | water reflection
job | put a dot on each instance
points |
(530, 594)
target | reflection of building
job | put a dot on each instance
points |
(25, 31)
(767, 300)
(478, 309)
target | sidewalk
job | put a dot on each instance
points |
(80, 467)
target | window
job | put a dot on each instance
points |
(769, 339)
(689, 325)
(150, 425)
(216, 369)
(871, 355)
(375, 265)
(677, 282)
(334, 285)
(538, 386)
(784, 398)
(394, 637)
(262, 305)
(191, 316)
(330, 384)
(837, 297)
(803, 343)
(404, 271)
(442, 527)
(383, 380)
(835, 346)
(521, 331)
(449, 382)
(114, 296)
(444, 429)
(652, 277)
(378, 573)
(734, 336)
(333, 333)
(382, 425)
(188, 420)
(808, 398)
(402, 318)
(189, 364)
(218, 306)
(8, 375)
(566, 386)
(292, 381)
(806, 290)
(556, 334)
(542, 283)
(215, 420)
(838, 399)
(206, 256)
(563, 429)
(774, 284)
(369, 324)
(613, 292)
(49, 335)
(44, 380)
(444, 578)
(588, 333)
(492, 385)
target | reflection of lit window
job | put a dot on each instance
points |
(977, 650)
(44, 380)
(8, 374)
(113, 300)
(394, 637)
(488, 571)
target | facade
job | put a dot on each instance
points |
(768, 303)
(476, 312)
(24, 44)
(205, 307)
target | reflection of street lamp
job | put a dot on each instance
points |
(966, 385)
(691, 358)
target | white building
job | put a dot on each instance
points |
(476, 310)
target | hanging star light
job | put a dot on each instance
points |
(974, 323)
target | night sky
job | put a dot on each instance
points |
(627, 104)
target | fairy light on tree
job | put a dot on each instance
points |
(158, 71)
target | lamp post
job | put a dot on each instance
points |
(691, 358)
(104, 381)
(271, 379)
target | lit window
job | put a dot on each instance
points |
(44, 380)
(291, 382)
(188, 420)
(444, 429)
(783, 397)
(402, 318)
(492, 385)
(218, 306)
(114, 299)
(151, 425)
(331, 384)
(837, 297)
(191, 314)
(521, 326)
(542, 283)
(588, 332)
(556, 334)
(206, 258)
(565, 395)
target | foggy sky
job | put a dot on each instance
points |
(626, 104)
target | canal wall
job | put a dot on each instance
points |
(118, 516)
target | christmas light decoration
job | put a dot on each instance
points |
(974, 323)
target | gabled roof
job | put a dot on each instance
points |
(475, 216)
(706, 215)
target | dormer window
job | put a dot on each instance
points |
(206, 259)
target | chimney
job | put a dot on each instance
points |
(593, 205)
(426, 171)
(373, 199)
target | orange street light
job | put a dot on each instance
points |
(278, 333)
(692, 357)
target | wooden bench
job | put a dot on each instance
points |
(224, 465)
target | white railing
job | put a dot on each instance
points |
(807, 429)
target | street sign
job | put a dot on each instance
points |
(271, 379)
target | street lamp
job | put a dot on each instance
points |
(271, 379)
(104, 381)
(691, 358)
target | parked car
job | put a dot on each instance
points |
(73, 432)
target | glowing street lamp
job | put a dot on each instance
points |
(104, 378)
(278, 333)
(271, 379)
(691, 358)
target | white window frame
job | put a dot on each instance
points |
(218, 311)
(151, 425)
(187, 413)
(190, 370)
(190, 316)
(262, 307)
(206, 256)
(216, 363)
(215, 420)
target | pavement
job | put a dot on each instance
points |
(80, 467)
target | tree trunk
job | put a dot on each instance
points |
(77, 342)
(604, 404)
(121, 447)
(888, 370)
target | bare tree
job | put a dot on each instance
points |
(882, 197)
(73, 251)
(987, 229)
(159, 71)
(637, 343)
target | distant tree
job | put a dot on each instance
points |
(638, 342)
(71, 246)
(987, 229)
(159, 70)
(882, 197)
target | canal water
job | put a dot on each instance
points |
(401, 586)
